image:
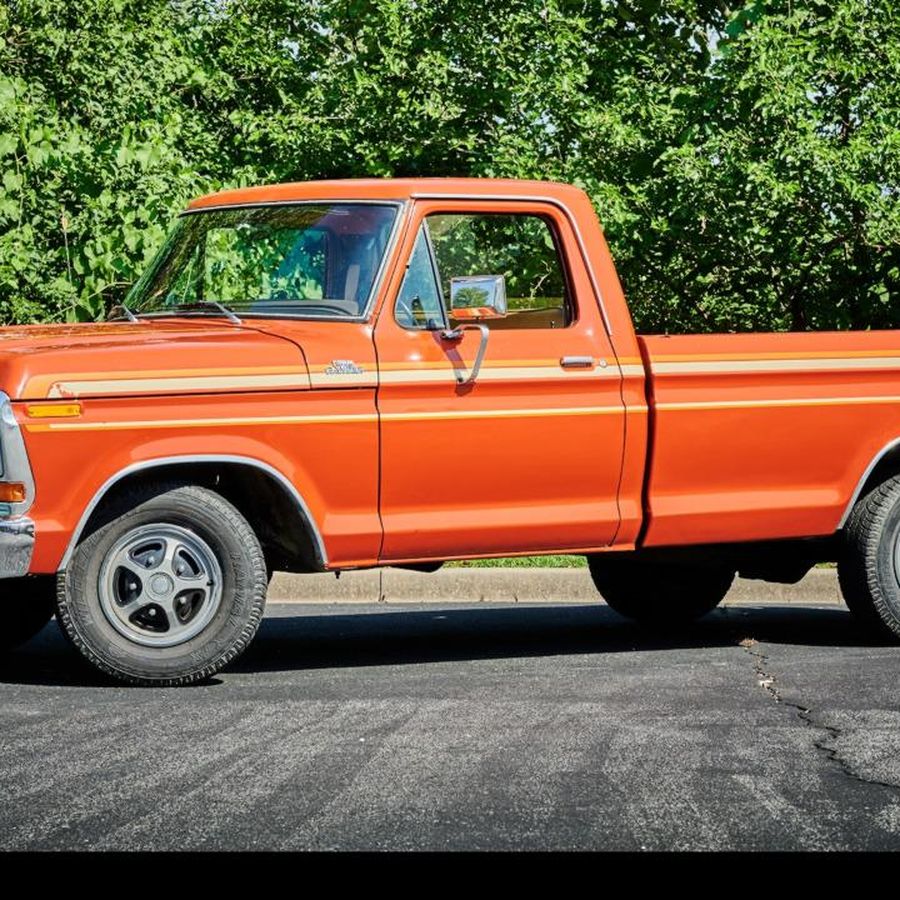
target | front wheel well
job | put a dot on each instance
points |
(280, 521)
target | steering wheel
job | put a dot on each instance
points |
(403, 312)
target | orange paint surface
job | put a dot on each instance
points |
(746, 436)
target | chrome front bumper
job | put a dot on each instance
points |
(16, 546)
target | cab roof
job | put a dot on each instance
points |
(386, 189)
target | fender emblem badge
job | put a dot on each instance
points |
(344, 367)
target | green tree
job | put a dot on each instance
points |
(743, 159)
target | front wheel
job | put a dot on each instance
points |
(659, 593)
(26, 606)
(169, 589)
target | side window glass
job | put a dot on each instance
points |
(419, 304)
(521, 248)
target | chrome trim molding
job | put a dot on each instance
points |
(865, 477)
(16, 547)
(159, 462)
(526, 198)
(389, 247)
(191, 210)
(16, 466)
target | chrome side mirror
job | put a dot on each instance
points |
(478, 297)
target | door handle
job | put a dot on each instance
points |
(578, 362)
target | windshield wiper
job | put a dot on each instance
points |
(229, 314)
(129, 315)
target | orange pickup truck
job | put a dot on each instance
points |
(347, 374)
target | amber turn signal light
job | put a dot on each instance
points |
(12, 492)
(52, 410)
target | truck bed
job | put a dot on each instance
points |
(758, 436)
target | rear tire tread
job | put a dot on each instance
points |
(858, 571)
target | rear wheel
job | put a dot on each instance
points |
(869, 564)
(169, 589)
(26, 606)
(659, 593)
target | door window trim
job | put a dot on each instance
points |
(537, 200)
(561, 256)
(435, 276)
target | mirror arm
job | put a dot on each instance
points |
(456, 334)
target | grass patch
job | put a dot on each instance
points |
(521, 562)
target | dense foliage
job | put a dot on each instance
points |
(745, 161)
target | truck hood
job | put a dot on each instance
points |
(145, 358)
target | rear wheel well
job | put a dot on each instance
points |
(887, 467)
(287, 536)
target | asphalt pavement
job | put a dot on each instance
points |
(486, 725)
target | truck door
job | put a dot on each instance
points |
(527, 456)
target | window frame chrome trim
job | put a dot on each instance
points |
(529, 198)
(196, 459)
(402, 207)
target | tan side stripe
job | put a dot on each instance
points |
(62, 389)
(39, 383)
(136, 385)
(775, 365)
(448, 375)
(404, 365)
(332, 419)
(201, 423)
(514, 413)
(751, 404)
(774, 355)
(414, 376)
(366, 379)
(298, 379)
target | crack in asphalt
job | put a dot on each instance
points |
(767, 681)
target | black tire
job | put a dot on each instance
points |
(27, 605)
(869, 562)
(659, 593)
(232, 552)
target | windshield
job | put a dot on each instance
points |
(307, 260)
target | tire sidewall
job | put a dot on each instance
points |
(887, 595)
(243, 590)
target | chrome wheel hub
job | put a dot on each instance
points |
(160, 585)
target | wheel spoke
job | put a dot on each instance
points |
(191, 583)
(127, 610)
(170, 548)
(122, 560)
(168, 608)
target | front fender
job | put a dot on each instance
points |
(322, 446)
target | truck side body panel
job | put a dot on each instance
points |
(760, 436)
